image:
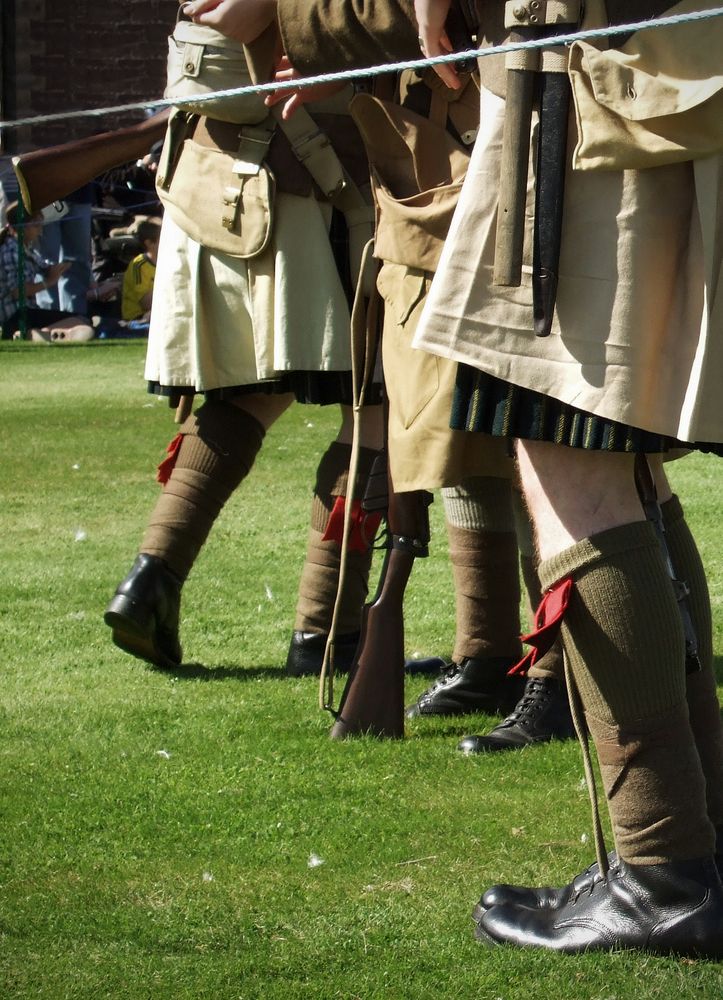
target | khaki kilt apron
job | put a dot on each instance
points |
(638, 330)
(220, 321)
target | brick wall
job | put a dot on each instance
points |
(74, 54)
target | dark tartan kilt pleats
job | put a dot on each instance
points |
(491, 405)
(320, 388)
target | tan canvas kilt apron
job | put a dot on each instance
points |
(638, 331)
(220, 321)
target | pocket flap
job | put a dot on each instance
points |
(192, 59)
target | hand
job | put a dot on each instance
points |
(433, 41)
(55, 271)
(294, 99)
(242, 20)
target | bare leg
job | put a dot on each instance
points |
(266, 408)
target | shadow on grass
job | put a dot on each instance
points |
(476, 725)
(462, 727)
(198, 671)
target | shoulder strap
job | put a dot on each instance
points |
(314, 151)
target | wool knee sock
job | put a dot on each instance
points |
(218, 448)
(701, 693)
(483, 553)
(624, 639)
(320, 574)
(551, 664)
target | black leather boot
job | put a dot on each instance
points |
(544, 898)
(542, 714)
(429, 666)
(144, 613)
(306, 653)
(675, 907)
(548, 898)
(474, 685)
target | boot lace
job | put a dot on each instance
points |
(535, 697)
(447, 675)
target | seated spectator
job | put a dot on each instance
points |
(40, 274)
(140, 273)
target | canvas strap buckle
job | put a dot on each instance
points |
(231, 199)
(252, 150)
(541, 13)
(251, 153)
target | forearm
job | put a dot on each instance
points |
(327, 35)
(242, 20)
(36, 286)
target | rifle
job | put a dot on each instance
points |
(48, 175)
(373, 699)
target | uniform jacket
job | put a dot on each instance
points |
(358, 33)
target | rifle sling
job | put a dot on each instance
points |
(364, 346)
(645, 486)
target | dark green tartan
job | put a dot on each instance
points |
(491, 405)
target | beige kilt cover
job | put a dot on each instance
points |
(638, 331)
(424, 452)
(220, 321)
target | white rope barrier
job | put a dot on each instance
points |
(355, 74)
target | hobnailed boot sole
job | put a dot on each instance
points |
(135, 632)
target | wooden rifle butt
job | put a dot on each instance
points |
(373, 699)
(48, 175)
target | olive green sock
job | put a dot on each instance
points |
(624, 640)
(701, 693)
(319, 579)
(483, 554)
(219, 446)
(487, 593)
(332, 475)
(318, 587)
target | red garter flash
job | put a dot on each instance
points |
(548, 619)
(364, 526)
(168, 464)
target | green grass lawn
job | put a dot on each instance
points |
(158, 832)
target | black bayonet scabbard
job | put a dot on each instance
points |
(549, 196)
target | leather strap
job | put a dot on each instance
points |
(365, 327)
(313, 150)
(645, 486)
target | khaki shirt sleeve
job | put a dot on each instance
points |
(327, 35)
(656, 100)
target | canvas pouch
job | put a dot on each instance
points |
(223, 200)
(417, 171)
(202, 61)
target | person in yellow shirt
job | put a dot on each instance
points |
(141, 272)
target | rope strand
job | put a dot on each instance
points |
(356, 74)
